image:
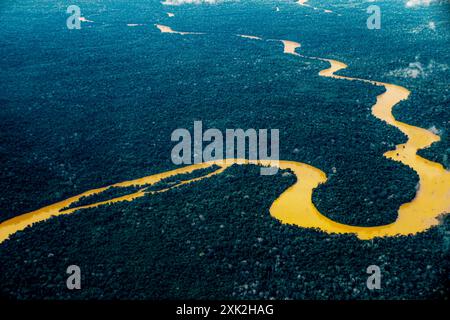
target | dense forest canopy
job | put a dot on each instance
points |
(82, 109)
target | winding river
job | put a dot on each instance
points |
(305, 4)
(294, 206)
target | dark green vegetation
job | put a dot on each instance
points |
(110, 193)
(215, 239)
(409, 39)
(70, 125)
(176, 179)
(81, 109)
(411, 49)
(114, 192)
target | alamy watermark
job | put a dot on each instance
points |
(74, 280)
(374, 280)
(374, 20)
(74, 20)
(190, 148)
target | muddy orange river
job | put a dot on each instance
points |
(305, 4)
(294, 206)
(166, 29)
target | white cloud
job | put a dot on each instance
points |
(425, 27)
(180, 2)
(418, 3)
(414, 70)
(435, 130)
(418, 70)
(432, 25)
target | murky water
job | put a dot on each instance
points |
(295, 206)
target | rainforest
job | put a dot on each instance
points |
(88, 117)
